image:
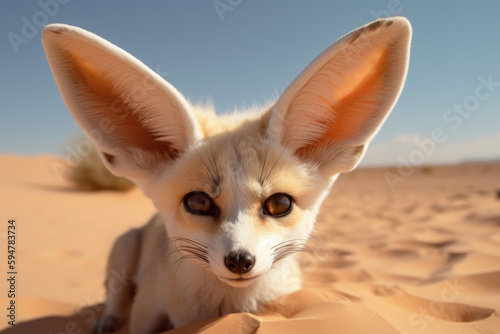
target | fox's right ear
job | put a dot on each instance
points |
(137, 120)
(331, 111)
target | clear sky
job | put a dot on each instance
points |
(250, 53)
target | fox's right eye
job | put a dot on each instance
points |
(199, 203)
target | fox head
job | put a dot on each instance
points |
(241, 192)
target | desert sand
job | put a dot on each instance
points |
(421, 258)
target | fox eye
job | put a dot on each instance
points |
(199, 203)
(278, 205)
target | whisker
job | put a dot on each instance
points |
(286, 254)
(195, 250)
(285, 145)
(209, 139)
(201, 256)
(294, 246)
(274, 165)
(289, 241)
(320, 247)
(264, 163)
(205, 164)
(191, 241)
(183, 258)
(318, 241)
(198, 180)
(284, 248)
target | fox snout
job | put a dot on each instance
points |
(239, 262)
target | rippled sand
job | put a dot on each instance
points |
(421, 258)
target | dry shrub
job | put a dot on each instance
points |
(91, 174)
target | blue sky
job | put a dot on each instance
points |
(252, 53)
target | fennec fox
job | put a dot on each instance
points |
(237, 195)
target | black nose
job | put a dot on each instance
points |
(239, 262)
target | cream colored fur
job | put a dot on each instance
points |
(145, 130)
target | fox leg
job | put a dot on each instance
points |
(120, 287)
(146, 316)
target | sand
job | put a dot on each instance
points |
(421, 258)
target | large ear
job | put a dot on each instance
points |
(332, 110)
(137, 120)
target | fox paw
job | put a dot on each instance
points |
(106, 324)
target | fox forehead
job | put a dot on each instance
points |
(236, 163)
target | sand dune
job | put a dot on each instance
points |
(424, 258)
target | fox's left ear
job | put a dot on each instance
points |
(333, 109)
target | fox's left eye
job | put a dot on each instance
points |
(199, 203)
(278, 205)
